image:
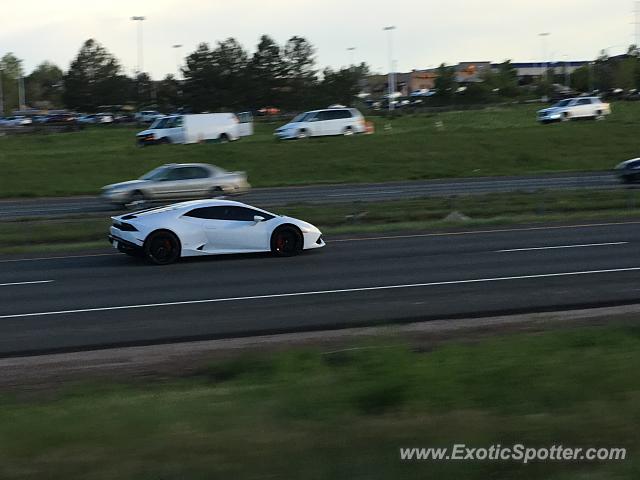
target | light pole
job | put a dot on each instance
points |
(351, 50)
(176, 48)
(21, 100)
(1, 94)
(139, 19)
(567, 76)
(544, 37)
(392, 75)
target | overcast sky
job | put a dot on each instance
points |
(428, 32)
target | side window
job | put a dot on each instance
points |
(208, 213)
(245, 117)
(341, 114)
(584, 101)
(190, 173)
(174, 174)
(175, 122)
(324, 115)
(243, 214)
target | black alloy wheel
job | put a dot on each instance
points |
(286, 242)
(162, 248)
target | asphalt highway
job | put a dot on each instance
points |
(108, 299)
(345, 193)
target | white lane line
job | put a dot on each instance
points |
(559, 247)
(358, 194)
(481, 232)
(318, 292)
(25, 283)
(10, 260)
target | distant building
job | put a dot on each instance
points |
(466, 73)
(528, 72)
(472, 72)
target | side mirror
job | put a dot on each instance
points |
(258, 219)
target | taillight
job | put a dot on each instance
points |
(125, 227)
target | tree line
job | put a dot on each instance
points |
(220, 77)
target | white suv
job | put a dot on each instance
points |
(316, 123)
(574, 108)
(147, 116)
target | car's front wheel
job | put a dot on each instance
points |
(162, 247)
(286, 241)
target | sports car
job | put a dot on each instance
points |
(209, 227)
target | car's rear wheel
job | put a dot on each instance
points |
(599, 115)
(136, 200)
(348, 132)
(224, 138)
(286, 241)
(162, 248)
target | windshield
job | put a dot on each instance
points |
(300, 118)
(160, 123)
(156, 174)
(562, 103)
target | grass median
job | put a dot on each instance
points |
(496, 141)
(73, 233)
(314, 414)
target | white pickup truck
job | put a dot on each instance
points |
(575, 108)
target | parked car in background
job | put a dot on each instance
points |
(147, 116)
(575, 108)
(628, 171)
(61, 119)
(330, 121)
(87, 119)
(210, 227)
(269, 111)
(177, 181)
(203, 127)
(124, 118)
(15, 121)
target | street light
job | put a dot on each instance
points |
(139, 19)
(1, 93)
(392, 75)
(176, 47)
(544, 36)
(351, 50)
(21, 100)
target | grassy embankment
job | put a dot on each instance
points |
(418, 215)
(498, 141)
(317, 415)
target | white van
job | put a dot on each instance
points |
(329, 121)
(204, 127)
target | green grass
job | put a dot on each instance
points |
(32, 235)
(344, 415)
(498, 141)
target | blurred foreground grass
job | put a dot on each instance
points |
(421, 214)
(344, 415)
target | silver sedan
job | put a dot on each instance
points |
(177, 182)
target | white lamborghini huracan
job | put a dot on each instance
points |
(210, 227)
